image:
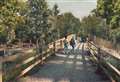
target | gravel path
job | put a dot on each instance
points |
(72, 67)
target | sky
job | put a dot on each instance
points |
(79, 8)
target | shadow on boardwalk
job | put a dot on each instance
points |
(70, 67)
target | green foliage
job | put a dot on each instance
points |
(115, 35)
(37, 19)
(22, 32)
(72, 24)
(110, 10)
(54, 17)
(33, 20)
(55, 10)
(93, 25)
(63, 24)
(10, 16)
(3, 38)
(104, 9)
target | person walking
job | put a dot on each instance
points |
(72, 43)
(65, 45)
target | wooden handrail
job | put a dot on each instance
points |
(116, 71)
(93, 44)
(108, 74)
(104, 51)
(118, 58)
(36, 59)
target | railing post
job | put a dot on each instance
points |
(42, 57)
(60, 43)
(43, 47)
(99, 54)
(54, 47)
(1, 71)
(40, 45)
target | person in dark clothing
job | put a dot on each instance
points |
(72, 43)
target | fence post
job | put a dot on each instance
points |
(60, 43)
(1, 71)
(99, 54)
(43, 47)
(54, 47)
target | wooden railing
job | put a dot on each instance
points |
(21, 67)
(100, 57)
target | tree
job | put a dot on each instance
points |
(66, 23)
(71, 23)
(22, 32)
(10, 11)
(94, 26)
(104, 9)
(55, 12)
(110, 10)
(37, 20)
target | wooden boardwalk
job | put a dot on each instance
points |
(71, 67)
(0, 71)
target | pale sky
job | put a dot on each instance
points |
(79, 8)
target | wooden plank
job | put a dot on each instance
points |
(30, 59)
(110, 65)
(32, 66)
(26, 61)
(105, 70)
(0, 71)
(107, 73)
(114, 55)
(93, 55)
(39, 61)
(113, 68)
(111, 53)
(28, 69)
(93, 44)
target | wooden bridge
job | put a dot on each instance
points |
(87, 63)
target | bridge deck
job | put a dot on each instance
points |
(72, 67)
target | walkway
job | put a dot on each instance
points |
(72, 67)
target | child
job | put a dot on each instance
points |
(65, 45)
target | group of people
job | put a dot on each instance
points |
(71, 43)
